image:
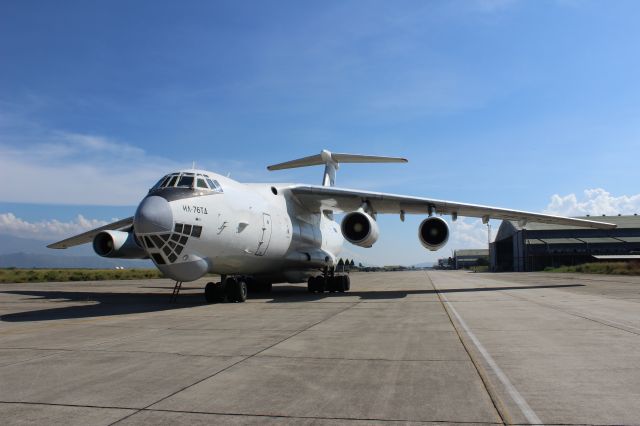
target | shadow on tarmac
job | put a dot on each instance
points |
(294, 294)
(101, 304)
(105, 304)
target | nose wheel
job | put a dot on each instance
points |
(231, 289)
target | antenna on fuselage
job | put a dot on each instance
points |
(331, 163)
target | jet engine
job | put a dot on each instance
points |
(360, 229)
(123, 245)
(433, 233)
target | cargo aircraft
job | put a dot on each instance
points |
(194, 222)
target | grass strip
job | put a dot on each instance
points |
(15, 275)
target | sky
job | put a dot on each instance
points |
(530, 105)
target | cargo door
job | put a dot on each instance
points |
(263, 243)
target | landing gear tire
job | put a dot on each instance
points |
(236, 290)
(214, 292)
(345, 282)
(316, 284)
(332, 284)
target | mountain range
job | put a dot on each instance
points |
(28, 253)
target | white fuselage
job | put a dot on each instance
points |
(248, 229)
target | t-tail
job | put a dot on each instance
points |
(331, 161)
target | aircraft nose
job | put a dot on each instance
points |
(153, 215)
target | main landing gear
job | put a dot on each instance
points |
(231, 289)
(331, 283)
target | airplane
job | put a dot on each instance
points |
(194, 222)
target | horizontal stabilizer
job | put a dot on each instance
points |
(326, 156)
(331, 161)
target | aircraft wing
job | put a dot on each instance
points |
(87, 237)
(317, 198)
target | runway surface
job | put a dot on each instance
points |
(400, 348)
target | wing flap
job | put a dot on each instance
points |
(87, 237)
(317, 198)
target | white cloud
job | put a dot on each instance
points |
(40, 165)
(594, 202)
(72, 168)
(469, 233)
(46, 229)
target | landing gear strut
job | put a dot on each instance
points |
(231, 289)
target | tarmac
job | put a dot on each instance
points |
(399, 348)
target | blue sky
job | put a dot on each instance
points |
(494, 102)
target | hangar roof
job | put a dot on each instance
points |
(622, 222)
(508, 228)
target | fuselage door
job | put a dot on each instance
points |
(263, 242)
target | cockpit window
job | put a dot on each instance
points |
(172, 181)
(186, 181)
(214, 185)
(158, 184)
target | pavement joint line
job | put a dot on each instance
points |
(53, 404)
(223, 355)
(363, 359)
(107, 350)
(231, 414)
(602, 321)
(498, 405)
(58, 352)
(333, 314)
(526, 410)
(284, 416)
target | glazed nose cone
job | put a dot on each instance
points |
(153, 215)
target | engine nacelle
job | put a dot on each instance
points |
(433, 233)
(118, 244)
(360, 229)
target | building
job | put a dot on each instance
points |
(539, 245)
(467, 258)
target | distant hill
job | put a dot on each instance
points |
(35, 260)
(10, 244)
(28, 253)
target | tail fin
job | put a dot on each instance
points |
(331, 161)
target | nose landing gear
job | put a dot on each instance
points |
(231, 289)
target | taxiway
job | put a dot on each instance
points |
(401, 347)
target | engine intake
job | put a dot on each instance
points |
(119, 244)
(433, 233)
(360, 229)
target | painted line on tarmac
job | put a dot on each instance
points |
(527, 411)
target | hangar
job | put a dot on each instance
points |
(468, 258)
(537, 246)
